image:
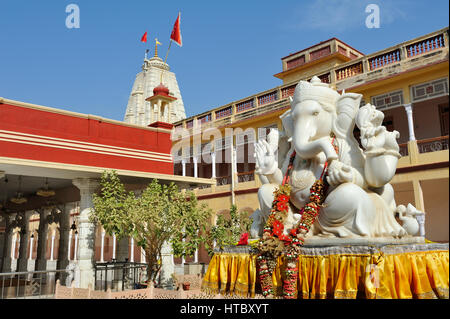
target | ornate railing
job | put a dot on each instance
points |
(403, 149)
(349, 71)
(246, 176)
(223, 180)
(426, 45)
(384, 58)
(433, 144)
(380, 61)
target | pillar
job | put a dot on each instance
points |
(65, 237)
(122, 248)
(195, 160)
(409, 114)
(167, 266)
(52, 245)
(132, 250)
(183, 166)
(24, 239)
(102, 246)
(41, 260)
(86, 231)
(114, 246)
(7, 260)
(30, 258)
(213, 165)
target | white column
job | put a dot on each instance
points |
(102, 247)
(75, 248)
(114, 246)
(52, 249)
(167, 265)
(86, 230)
(409, 114)
(213, 164)
(31, 246)
(143, 259)
(233, 181)
(195, 160)
(234, 168)
(13, 246)
(196, 256)
(132, 250)
(183, 166)
(69, 245)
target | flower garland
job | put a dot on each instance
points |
(275, 243)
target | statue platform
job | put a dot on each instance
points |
(377, 241)
(376, 271)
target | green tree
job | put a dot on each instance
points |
(228, 230)
(162, 213)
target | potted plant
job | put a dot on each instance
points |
(186, 285)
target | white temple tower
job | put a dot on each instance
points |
(142, 112)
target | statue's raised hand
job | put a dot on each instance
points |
(339, 173)
(266, 159)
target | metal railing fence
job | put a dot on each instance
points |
(29, 284)
(119, 275)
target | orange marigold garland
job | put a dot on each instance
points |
(275, 243)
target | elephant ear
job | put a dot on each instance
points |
(347, 106)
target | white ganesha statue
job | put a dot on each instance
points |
(319, 128)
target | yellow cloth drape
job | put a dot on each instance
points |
(377, 274)
(230, 273)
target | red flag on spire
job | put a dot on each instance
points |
(176, 32)
(144, 37)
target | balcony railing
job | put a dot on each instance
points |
(403, 149)
(380, 61)
(402, 53)
(433, 144)
(223, 180)
(246, 176)
(427, 45)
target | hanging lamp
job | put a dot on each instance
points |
(45, 191)
(19, 199)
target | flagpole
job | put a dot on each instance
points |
(165, 60)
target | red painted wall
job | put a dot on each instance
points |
(49, 124)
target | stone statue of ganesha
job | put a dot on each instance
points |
(319, 127)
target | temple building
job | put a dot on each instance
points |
(141, 111)
(408, 82)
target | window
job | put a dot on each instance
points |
(388, 100)
(429, 90)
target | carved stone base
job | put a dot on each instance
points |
(380, 241)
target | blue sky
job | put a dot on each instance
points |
(231, 49)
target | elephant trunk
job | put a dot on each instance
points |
(307, 147)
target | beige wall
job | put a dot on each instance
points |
(435, 193)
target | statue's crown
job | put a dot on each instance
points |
(315, 90)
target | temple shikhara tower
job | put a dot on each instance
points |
(147, 105)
